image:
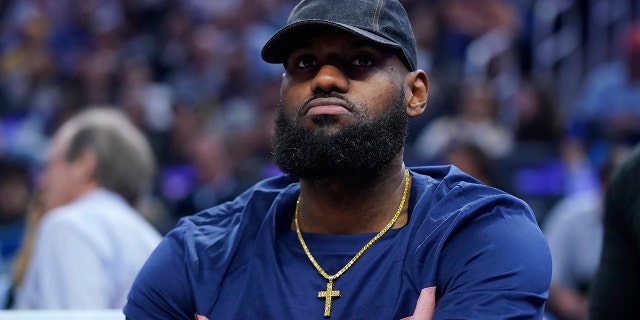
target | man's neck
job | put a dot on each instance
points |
(85, 189)
(336, 207)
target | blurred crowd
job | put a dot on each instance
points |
(188, 74)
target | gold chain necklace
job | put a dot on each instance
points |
(329, 293)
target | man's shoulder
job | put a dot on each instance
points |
(447, 191)
(67, 215)
(206, 245)
(245, 211)
(448, 178)
(94, 210)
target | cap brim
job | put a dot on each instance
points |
(277, 49)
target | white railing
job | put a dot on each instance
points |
(61, 315)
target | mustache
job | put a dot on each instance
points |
(320, 95)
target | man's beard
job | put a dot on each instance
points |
(358, 153)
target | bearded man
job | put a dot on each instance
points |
(349, 232)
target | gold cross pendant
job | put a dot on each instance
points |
(328, 295)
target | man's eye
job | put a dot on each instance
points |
(306, 63)
(362, 61)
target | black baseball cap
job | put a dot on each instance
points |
(384, 22)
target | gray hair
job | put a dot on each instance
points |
(124, 161)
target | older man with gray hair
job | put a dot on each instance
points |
(91, 243)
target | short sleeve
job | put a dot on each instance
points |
(495, 264)
(162, 288)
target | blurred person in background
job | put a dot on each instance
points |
(215, 181)
(574, 230)
(91, 243)
(616, 286)
(538, 119)
(15, 192)
(469, 158)
(475, 122)
(608, 108)
(20, 263)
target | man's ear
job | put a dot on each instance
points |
(418, 84)
(85, 165)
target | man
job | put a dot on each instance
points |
(349, 232)
(616, 286)
(573, 229)
(15, 190)
(92, 243)
(607, 106)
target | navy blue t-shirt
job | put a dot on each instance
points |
(479, 247)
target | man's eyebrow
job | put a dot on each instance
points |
(301, 45)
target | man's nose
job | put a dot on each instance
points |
(330, 78)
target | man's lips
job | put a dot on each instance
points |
(332, 106)
(329, 109)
